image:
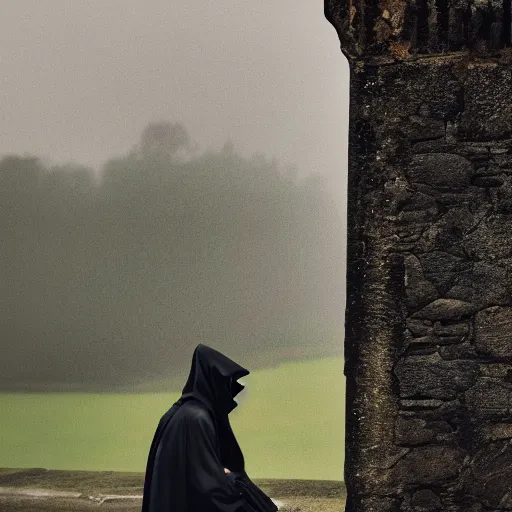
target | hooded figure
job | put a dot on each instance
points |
(194, 442)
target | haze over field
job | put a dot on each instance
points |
(111, 286)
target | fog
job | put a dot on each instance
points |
(170, 173)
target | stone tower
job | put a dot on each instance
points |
(429, 295)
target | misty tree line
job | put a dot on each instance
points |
(109, 282)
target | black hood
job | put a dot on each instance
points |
(213, 380)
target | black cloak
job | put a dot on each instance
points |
(194, 442)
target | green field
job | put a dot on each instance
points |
(289, 423)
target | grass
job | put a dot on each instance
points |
(289, 423)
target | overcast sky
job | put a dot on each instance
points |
(79, 80)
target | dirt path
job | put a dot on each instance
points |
(15, 498)
(44, 490)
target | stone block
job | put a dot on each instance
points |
(491, 240)
(447, 232)
(417, 431)
(446, 309)
(493, 331)
(421, 127)
(490, 432)
(489, 399)
(440, 170)
(484, 285)
(417, 404)
(441, 267)
(487, 181)
(412, 431)
(428, 465)
(488, 113)
(500, 371)
(418, 327)
(426, 500)
(489, 476)
(419, 291)
(418, 201)
(459, 329)
(430, 376)
(458, 351)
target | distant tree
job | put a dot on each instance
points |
(20, 173)
(228, 148)
(163, 138)
(102, 279)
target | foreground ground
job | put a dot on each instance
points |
(41, 490)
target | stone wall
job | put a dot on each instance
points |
(428, 346)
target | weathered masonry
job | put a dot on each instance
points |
(429, 307)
